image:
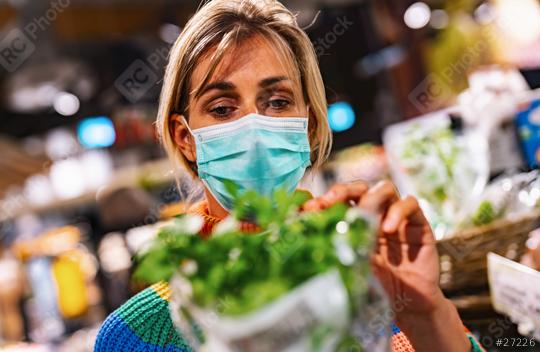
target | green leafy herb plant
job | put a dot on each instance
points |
(234, 273)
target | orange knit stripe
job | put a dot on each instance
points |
(210, 221)
(400, 343)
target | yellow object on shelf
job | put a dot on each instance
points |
(72, 294)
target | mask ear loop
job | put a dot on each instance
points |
(192, 165)
(308, 133)
(187, 125)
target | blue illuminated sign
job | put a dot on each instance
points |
(341, 116)
(96, 132)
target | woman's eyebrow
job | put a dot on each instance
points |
(220, 85)
(272, 80)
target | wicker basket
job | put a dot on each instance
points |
(463, 256)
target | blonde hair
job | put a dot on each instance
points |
(223, 24)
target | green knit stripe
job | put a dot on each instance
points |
(475, 345)
(147, 315)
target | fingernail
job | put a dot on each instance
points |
(390, 224)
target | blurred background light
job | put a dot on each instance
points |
(114, 254)
(519, 19)
(37, 189)
(96, 132)
(417, 15)
(168, 32)
(98, 167)
(32, 98)
(60, 143)
(375, 63)
(66, 104)
(67, 178)
(341, 116)
(484, 14)
(439, 19)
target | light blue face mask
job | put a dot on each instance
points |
(255, 152)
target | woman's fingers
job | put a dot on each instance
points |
(375, 199)
(382, 199)
(345, 192)
(340, 193)
(405, 209)
(379, 198)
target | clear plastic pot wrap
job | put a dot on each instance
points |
(341, 308)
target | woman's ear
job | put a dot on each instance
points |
(182, 137)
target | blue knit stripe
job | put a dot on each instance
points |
(395, 329)
(115, 335)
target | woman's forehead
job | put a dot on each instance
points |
(253, 59)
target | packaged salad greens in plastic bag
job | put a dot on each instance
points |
(509, 196)
(445, 168)
(300, 282)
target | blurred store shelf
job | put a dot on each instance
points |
(16, 164)
(155, 172)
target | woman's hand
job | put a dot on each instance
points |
(406, 260)
(406, 263)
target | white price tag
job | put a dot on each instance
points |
(515, 291)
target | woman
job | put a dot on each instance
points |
(243, 99)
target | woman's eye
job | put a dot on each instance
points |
(222, 111)
(278, 104)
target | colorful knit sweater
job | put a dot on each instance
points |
(144, 324)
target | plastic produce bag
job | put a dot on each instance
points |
(300, 282)
(443, 168)
(281, 325)
(509, 196)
